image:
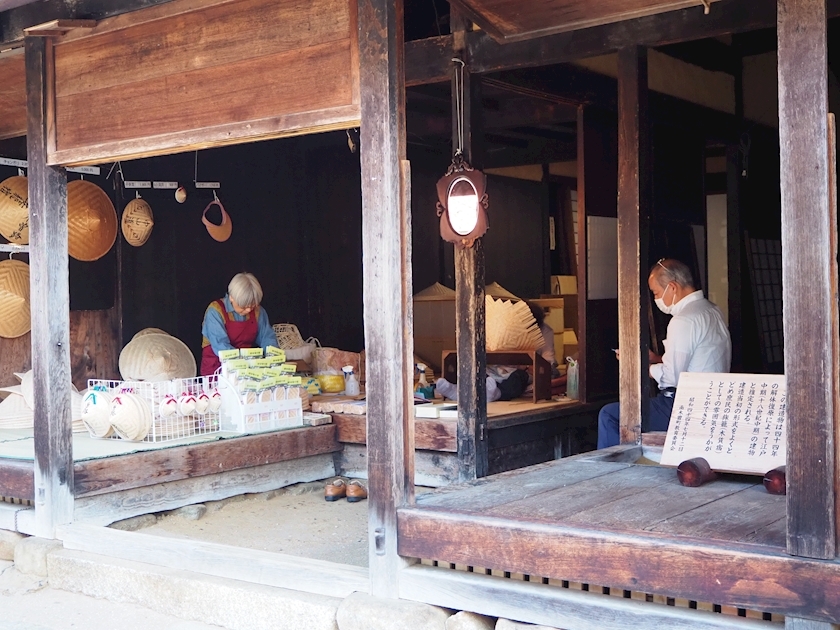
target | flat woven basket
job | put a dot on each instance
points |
(288, 336)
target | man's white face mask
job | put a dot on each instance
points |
(660, 302)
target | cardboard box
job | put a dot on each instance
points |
(434, 324)
(554, 308)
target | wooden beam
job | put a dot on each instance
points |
(58, 27)
(386, 246)
(470, 330)
(136, 470)
(634, 202)
(737, 574)
(50, 300)
(17, 479)
(104, 509)
(535, 603)
(248, 565)
(428, 60)
(809, 288)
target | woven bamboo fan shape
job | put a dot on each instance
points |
(91, 221)
(14, 210)
(510, 326)
(14, 298)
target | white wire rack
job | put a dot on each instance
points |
(172, 427)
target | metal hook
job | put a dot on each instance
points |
(707, 6)
(215, 197)
(137, 194)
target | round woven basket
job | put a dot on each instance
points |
(137, 222)
(91, 221)
(14, 298)
(14, 210)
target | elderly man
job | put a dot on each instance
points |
(697, 341)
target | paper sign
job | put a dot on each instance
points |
(84, 170)
(736, 422)
(165, 185)
(208, 185)
(129, 183)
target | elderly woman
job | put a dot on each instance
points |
(235, 321)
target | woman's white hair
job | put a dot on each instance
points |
(245, 290)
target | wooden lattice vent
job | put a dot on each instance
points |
(614, 592)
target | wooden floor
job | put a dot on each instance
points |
(623, 497)
(599, 519)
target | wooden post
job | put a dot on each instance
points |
(633, 208)
(808, 290)
(734, 246)
(470, 328)
(50, 301)
(386, 244)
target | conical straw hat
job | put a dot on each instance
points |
(436, 292)
(14, 210)
(14, 298)
(137, 222)
(156, 357)
(150, 331)
(496, 290)
(91, 221)
(131, 417)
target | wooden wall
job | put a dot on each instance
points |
(174, 77)
(12, 95)
(295, 205)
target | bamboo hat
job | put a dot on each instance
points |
(156, 357)
(137, 222)
(131, 416)
(14, 298)
(14, 210)
(150, 331)
(221, 231)
(91, 221)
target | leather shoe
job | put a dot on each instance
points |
(335, 490)
(356, 492)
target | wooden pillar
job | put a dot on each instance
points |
(633, 207)
(50, 301)
(734, 247)
(470, 328)
(386, 244)
(808, 290)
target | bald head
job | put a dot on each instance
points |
(670, 270)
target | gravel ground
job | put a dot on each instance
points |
(295, 521)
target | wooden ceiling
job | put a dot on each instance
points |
(515, 20)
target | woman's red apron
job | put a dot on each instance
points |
(241, 335)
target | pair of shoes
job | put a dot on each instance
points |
(356, 491)
(335, 490)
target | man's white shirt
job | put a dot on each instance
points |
(697, 341)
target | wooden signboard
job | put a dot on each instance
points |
(190, 74)
(12, 94)
(736, 422)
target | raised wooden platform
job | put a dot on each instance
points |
(600, 519)
(520, 433)
(148, 468)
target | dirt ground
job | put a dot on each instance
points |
(295, 521)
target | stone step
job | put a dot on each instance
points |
(223, 602)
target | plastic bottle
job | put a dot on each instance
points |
(351, 383)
